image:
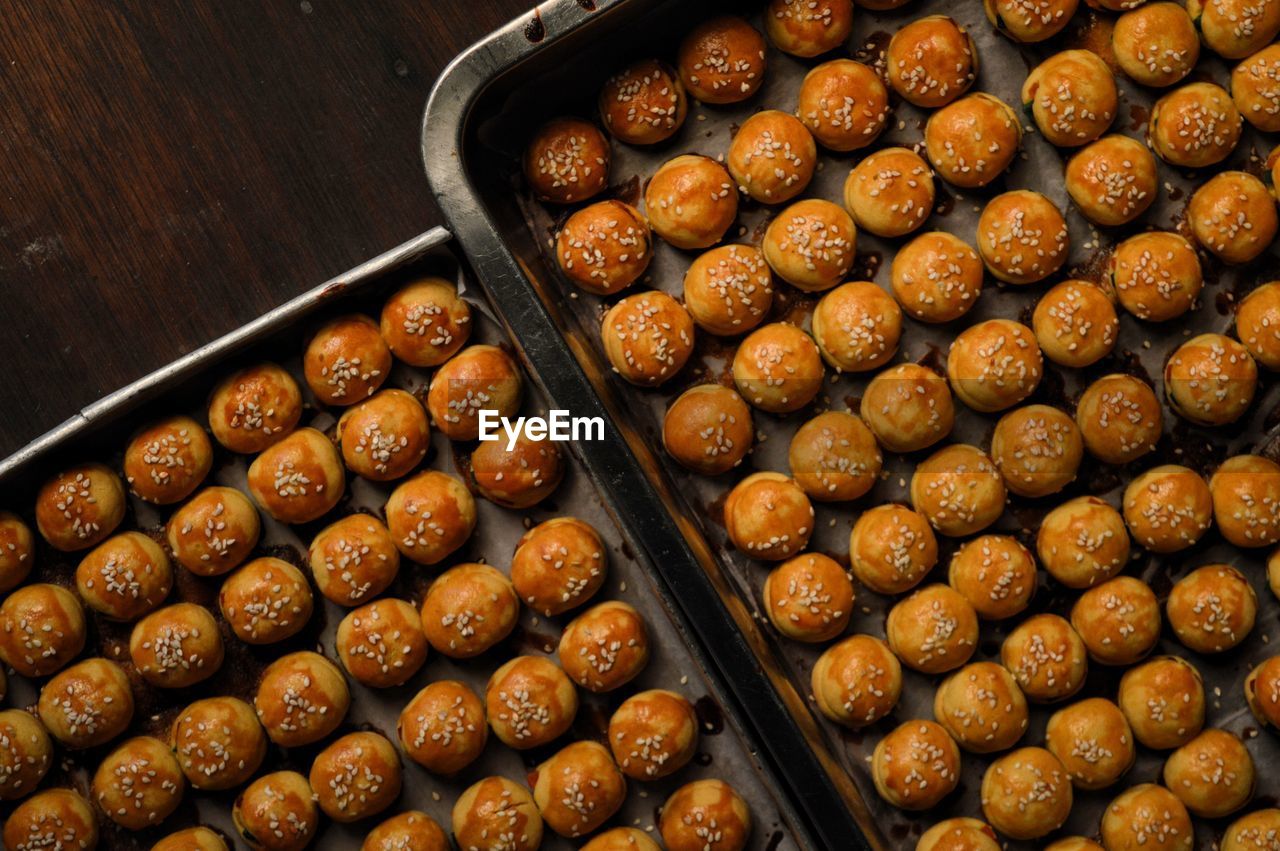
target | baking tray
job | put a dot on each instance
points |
(100, 432)
(554, 61)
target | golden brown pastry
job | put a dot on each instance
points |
(443, 727)
(1113, 180)
(139, 783)
(578, 788)
(1156, 44)
(87, 704)
(1156, 275)
(266, 601)
(476, 378)
(42, 628)
(1026, 794)
(1075, 324)
(694, 807)
(17, 551)
(559, 565)
(622, 839)
(566, 161)
(1246, 500)
(604, 248)
(412, 830)
(908, 407)
(708, 429)
(1046, 657)
(931, 61)
(995, 574)
(1262, 692)
(496, 814)
(426, 322)
(1168, 508)
(890, 192)
(972, 141)
(385, 436)
(124, 577)
(808, 27)
(519, 473)
(811, 244)
(959, 834)
(937, 277)
(891, 548)
(26, 754)
(353, 560)
(728, 290)
(653, 734)
(346, 360)
(834, 457)
(177, 646)
(1037, 449)
(933, 631)
(1119, 418)
(648, 337)
(1212, 608)
(1083, 542)
(1194, 126)
(857, 681)
(381, 643)
(722, 60)
(1022, 237)
(54, 818)
(167, 460)
(809, 598)
(690, 201)
(1072, 97)
(605, 647)
(1030, 22)
(994, 365)
(1258, 324)
(959, 490)
(301, 698)
(844, 104)
(1119, 620)
(1210, 380)
(356, 776)
(254, 408)
(1163, 701)
(916, 766)
(468, 609)
(530, 701)
(429, 516)
(1235, 28)
(857, 327)
(218, 742)
(644, 103)
(1233, 216)
(1257, 830)
(982, 708)
(772, 158)
(277, 812)
(80, 507)
(768, 516)
(214, 532)
(299, 479)
(778, 368)
(1212, 774)
(192, 839)
(1093, 741)
(1255, 89)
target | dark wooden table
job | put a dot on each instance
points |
(172, 170)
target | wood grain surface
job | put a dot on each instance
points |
(172, 170)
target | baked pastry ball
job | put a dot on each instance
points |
(933, 631)
(301, 698)
(722, 60)
(298, 479)
(982, 708)
(994, 365)
(429, 516)
(517, 475)
(530, 701)
(916, 766)
(478, 377)
(79, 507)
(1163, 701)
(1037, 449)
(1212, 608)
(1246, 500)
(1026, 793)
(778, 368)
(972, 141)
(1212, 774)
(844, 104)
(605, 647)
(412, 830)
(254, 407)
(87, 704)
(622, 839)
(496, 814)
(1075, 324)
(808, 28)
(559, 565)
(857, 681)
(653, 734)
(648, 337)
(353, 560)
(937, 277)
(1083, 542)
(908, 407)
(1258, 324)
(1113, 180)
(959, 490)
(1022, 237)
(1156, 44)
(266, 601)
(426, 322)
(139, 783)
(857, 327)
(125, 577)
(772, 158)
(1262, 692)
(567, 160)
(604, 248)
(26, 756)
(1210, 380)
(385, 436)
(356, 776)
(167, 460)
(728, 290)
(891, 548)
(768, 516)
(177, 646)
(708, 429)
(959, 834)
(1235, 28)
(1119, 418)
(811, 244)
(17, 550)
(1072, 97)
(809, 598)
(1156, 275)
(995, 574)
(890, 192)
(1093, 741)
(1194, 126)
(931, 61)
(1167, 508)
(214, 531)
(644, 103)
(443, 728)
(468, 609)
(192, 839)
(277, 812)
(1119, 620)
(54, 818)
(219, 742)
(703, 810)
(834, 457)
(41, 629)
(1030, 22)
(1255, 830)
(690, 201)
(1255, 88)
(346, 360)
(578, 788)
(1046, 657)
(1233, 216)
(381, 643)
